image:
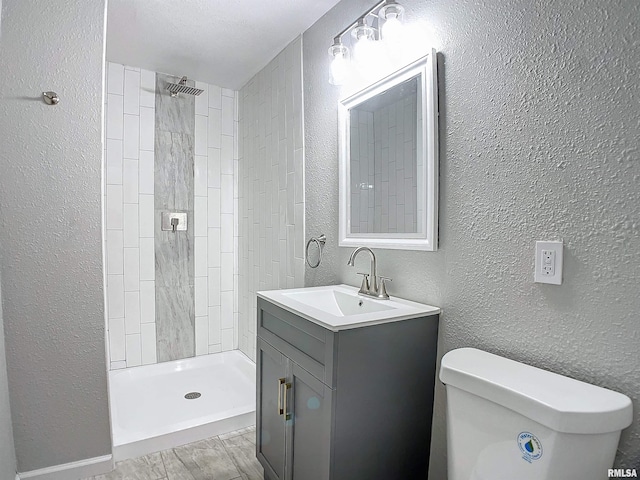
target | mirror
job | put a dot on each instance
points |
(388, 153)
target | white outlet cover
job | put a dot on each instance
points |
(540, 277)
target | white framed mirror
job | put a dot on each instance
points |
(388, 158)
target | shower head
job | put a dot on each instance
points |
(182, 87)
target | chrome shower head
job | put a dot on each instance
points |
(182, 87)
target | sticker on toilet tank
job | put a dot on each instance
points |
(530, 446)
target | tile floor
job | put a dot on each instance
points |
(231, 456)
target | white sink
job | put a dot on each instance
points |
(339, 307)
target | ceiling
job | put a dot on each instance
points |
(222, 43)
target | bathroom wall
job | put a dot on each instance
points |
(50, 230)
(170, 296)
(271, 185)
(7, 449)
(538, 132)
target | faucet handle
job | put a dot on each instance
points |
(364, 288)
(382, 288)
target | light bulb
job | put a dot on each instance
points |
(339, 67)
(339, 64)
(391, 13)
(392, 29)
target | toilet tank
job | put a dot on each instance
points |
(507, 420)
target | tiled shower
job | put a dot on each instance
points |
(233, 163)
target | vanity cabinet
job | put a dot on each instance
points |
(343, 405)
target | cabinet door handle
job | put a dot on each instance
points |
(287, 386)
(280, 384)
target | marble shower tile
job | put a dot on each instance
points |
(175, 255)
(175, 322)
(174, 171)
(207, 459)
(174, 114)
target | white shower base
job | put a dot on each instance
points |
(149, 412)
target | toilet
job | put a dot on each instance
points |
(507, 420)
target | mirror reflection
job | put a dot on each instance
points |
(385, 133)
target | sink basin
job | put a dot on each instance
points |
(339, 307)
(337, 302)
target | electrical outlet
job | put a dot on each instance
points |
(548, 263)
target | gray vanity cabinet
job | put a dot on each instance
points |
(354, 404)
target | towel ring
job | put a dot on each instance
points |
(319, 241)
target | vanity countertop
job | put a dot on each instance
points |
(339, 307)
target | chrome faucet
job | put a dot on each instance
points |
(373, 289)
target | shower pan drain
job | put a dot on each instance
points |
(192, 395)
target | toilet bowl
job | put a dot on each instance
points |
(508, 420)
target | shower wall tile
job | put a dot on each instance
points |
(131, 269)
(147, 128)
(132, 312)
(130, 181)
(202, 100)
(117, 339)
(200, 255)
(146, 173)
(131, 143)
(115, 258)
(115, 78)
(200, 176)
(147, 259)
(202, 135)
(147, 216)
(131, 92)
(118, 365)
(148, 343)
(215, 97)
(270, 191)
(114, 161)
(131, 225)
(200, 216)
(173, 114)
(217, 209)
(115, 297)
(133, 350)
(114, 214)
(147, 90)
(202, 335)
(213, 168)
(174, 155)
(175, 322)
(148, 302)
(130, 210)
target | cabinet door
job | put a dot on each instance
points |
(308, 427)
(270, 427)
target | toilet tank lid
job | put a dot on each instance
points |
(560, 403)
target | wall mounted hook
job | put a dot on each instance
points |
(50, 98)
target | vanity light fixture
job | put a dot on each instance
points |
(392, 14)
(388, 17)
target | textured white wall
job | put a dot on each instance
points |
(538, 140)
(50, 230)
(271, 185)
(7, 449)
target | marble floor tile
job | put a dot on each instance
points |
(205, 460)
(242, 449)
(149, 467)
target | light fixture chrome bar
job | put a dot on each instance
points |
(339, 36)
